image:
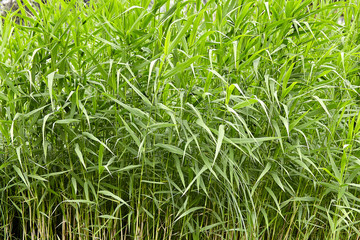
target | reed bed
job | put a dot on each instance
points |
(210, 119)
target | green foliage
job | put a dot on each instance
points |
(194, 120)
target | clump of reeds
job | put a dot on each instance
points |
(216, 120)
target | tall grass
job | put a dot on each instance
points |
(218, 120)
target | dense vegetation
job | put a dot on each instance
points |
(218, 120)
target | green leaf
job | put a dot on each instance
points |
(67, 121)
(92, 137)
(219, 141)
(50, 78)
(245, 103)
(187, 212)
(79, 154)
(113, 197)
(180, 67)
(22, 176)
(171, 148)
(322, 105)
